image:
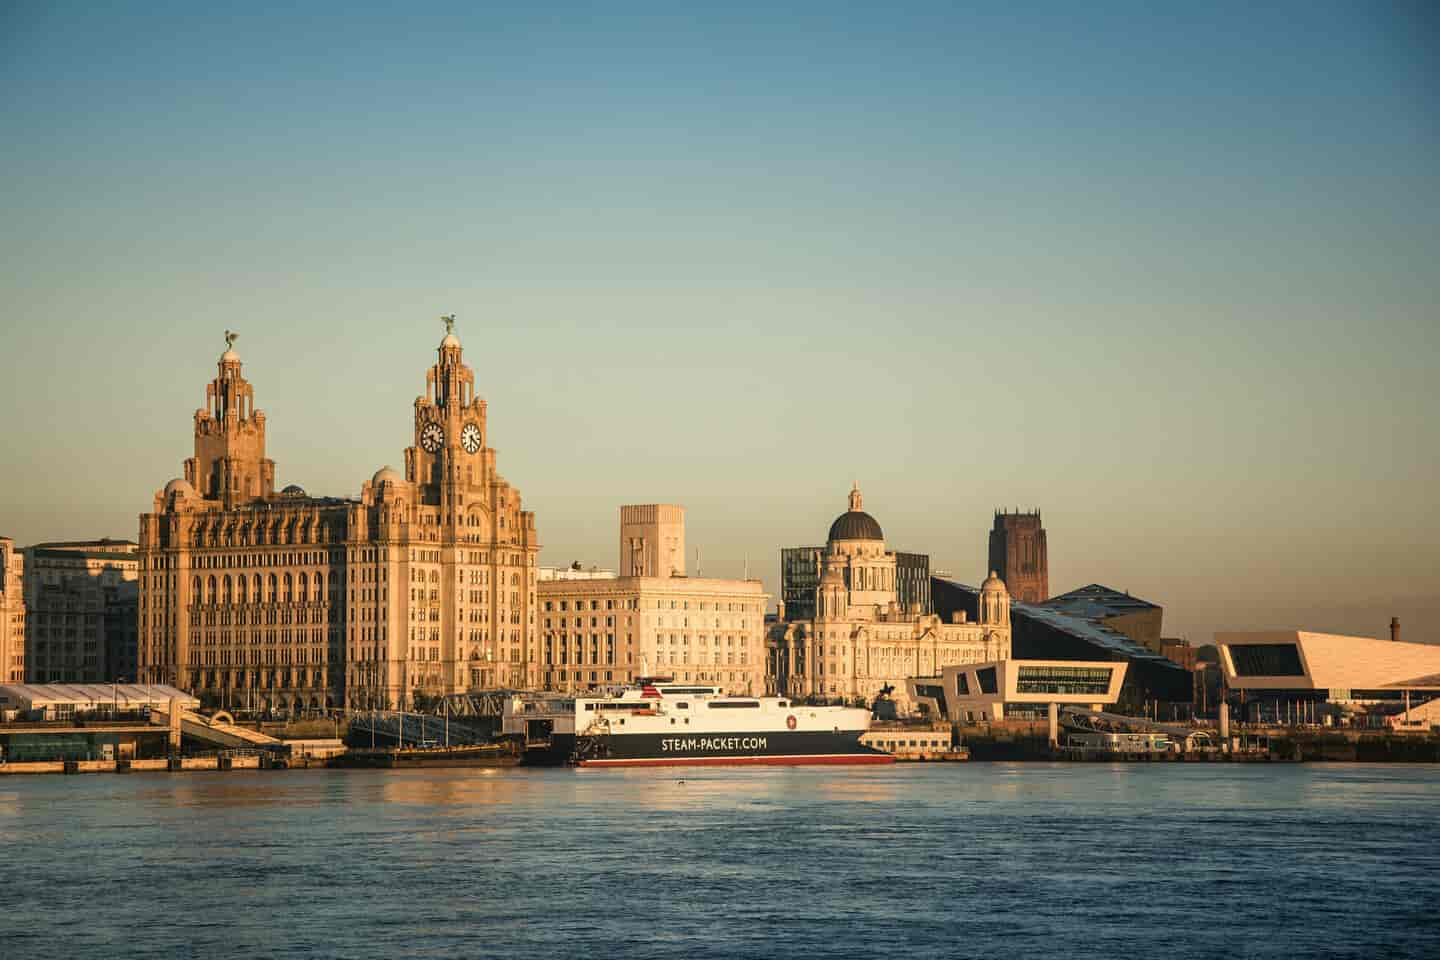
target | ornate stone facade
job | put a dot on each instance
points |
(12, 613)
(283, 601)
(861, 639)
(598, 630)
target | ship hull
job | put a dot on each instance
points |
(726, 749)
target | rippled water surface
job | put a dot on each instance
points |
(993, 860)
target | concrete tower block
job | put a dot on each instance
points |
(652, 540)
(174, 719)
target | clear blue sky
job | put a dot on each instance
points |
(1167, 271)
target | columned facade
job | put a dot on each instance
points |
(861, 639)
(423, 585)
(12, 613)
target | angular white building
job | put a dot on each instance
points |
(1290, 670)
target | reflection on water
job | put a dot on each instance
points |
(944, 860)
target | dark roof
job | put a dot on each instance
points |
(855, 525)
(1097, 602)
(1087, 629)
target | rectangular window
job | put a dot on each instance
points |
(1266, 660)
(1087, 681)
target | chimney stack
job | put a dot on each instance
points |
(1394, 629)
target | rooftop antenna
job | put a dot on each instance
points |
(697, 562)
(747, 567)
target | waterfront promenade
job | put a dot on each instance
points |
(946, 860)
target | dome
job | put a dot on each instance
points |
(993, 584)
(294, 490)
(229, 356)
(855, 525)
(386, 475)
(182, 487)
(450, 341)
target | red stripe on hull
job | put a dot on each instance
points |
(834, 758)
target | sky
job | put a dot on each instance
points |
(1166, 272)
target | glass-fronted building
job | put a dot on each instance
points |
(1016, 689)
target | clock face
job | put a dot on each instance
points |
(470, 438)
(431, 437)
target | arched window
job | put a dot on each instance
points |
(273, 585)
(210, 594)
(304, 585)
(244, 593)
(320, 587)
(255, 592)
(196, 596)
(228, 595)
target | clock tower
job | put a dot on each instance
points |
(449, 453)
(452, 531)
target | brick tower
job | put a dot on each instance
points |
(1018, 555)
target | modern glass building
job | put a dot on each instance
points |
(800, 578)
(1076, 630)
(1016, 689)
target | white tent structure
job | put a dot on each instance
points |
(61, 700)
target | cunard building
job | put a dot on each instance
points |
(424, 584)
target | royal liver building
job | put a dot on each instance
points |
(424, 584)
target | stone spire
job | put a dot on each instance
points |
(229, 462)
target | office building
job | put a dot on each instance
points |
(261, 599)
(82, 601)
(597, 629)
(12, 612)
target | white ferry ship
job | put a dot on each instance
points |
(660, 722)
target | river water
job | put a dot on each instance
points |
(950, 860)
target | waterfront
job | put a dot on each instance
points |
(936, 860)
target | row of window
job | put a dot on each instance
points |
(224, 561)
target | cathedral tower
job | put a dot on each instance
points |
(1018, 554)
